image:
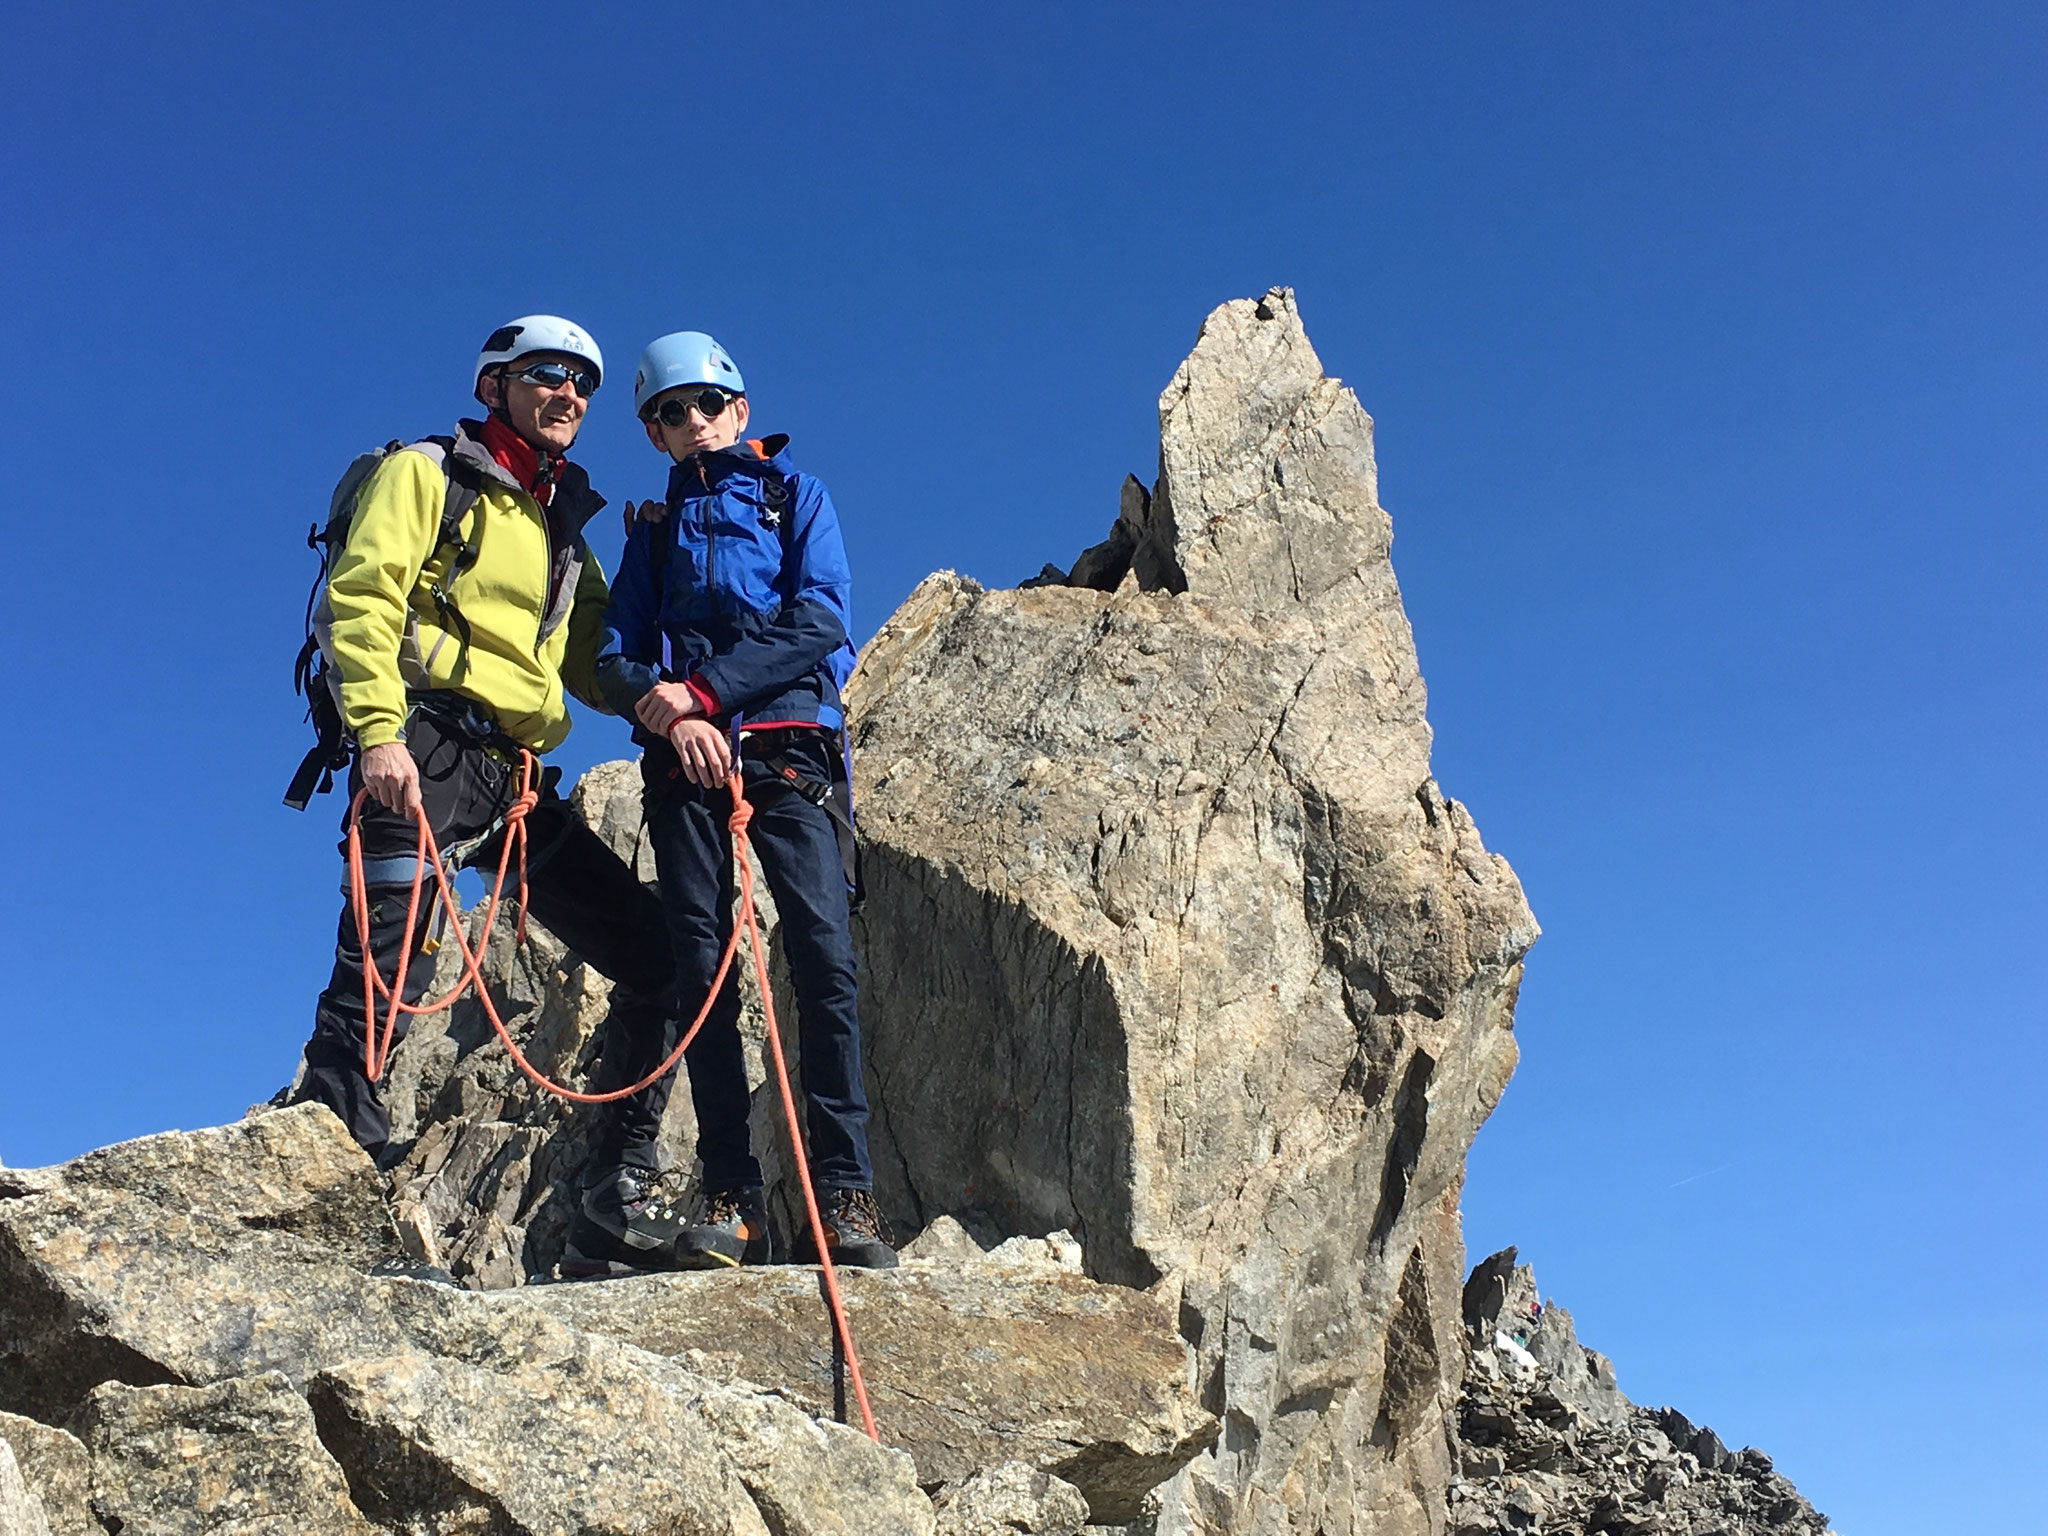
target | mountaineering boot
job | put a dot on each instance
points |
(731, 1228)
(623, 1226)
(855, 1233)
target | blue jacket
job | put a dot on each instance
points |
(755, 599)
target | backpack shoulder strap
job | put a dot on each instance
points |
(465, 485)
(658, 541)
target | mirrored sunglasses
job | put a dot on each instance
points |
(555, 375)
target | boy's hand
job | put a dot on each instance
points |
(706, 756)
(665, 705)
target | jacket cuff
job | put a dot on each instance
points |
(701, 691)
(706, 676)
(624, 683)
(379, 735)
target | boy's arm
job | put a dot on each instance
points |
(814, 619)
(630, 642)
(587, 635)
(369, 591)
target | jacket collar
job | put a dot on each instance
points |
(747, 457)
(527, 465)
(574, 503)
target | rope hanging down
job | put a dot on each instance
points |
(377, 1042)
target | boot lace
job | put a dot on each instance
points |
(722, 1207)
(855, 1214)
(659, 1194)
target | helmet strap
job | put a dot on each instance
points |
(545, 455)
(497, 375)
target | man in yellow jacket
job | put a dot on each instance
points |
(451, 656)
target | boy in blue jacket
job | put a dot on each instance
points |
(729, 621)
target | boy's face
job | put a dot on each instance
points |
(677, 422)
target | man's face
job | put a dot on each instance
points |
(677, 425)
(546, 417)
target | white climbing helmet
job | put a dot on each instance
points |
(536, 333)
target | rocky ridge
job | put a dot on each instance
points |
(1546, 1441)
(216, 1331)
(1185, 991)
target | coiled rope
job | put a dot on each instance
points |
(378, 1040)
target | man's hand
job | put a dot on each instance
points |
(707, 758)
(666, 705)
(391, 777)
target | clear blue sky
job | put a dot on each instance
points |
(1706, 347)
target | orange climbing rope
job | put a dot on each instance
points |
(377, 1042)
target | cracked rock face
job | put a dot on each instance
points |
(186, 1461)
(595, 1437)
(21, 1509)
(1010, 1500)
(189, 1341)
(1172, 940)
(55, 1467)
(189, 1258)
(967, 1366)
(194, 1336)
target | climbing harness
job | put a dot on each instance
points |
(377, 1042)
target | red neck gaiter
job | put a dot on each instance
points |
(519, 459)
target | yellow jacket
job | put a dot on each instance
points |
(535, 613)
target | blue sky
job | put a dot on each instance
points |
(1706, 350)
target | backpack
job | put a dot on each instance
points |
(314, 675)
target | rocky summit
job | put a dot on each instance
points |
(1185, 992)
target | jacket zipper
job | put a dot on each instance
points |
(550, 589)
(710, 539)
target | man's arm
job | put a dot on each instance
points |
(587, 636)
(813, 621)
(629, 643)
(398, 516)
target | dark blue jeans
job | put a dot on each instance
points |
(799, 850)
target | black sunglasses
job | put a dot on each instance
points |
(710, 401)
(555, 375)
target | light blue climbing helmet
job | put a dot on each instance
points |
(683, 357)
